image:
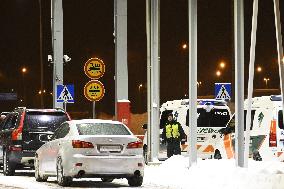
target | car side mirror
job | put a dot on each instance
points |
(145, 126)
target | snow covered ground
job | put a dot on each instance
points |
(174, 174)
(219, 174)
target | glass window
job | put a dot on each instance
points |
(44, 120)
(212, 118)
(102, 129)
(11, 121)
(252, 118)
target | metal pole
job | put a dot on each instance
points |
(65, 106)
(40, 54)
(192, 88)
(239, 78)
(94, 110)
(149, 80)
(155, 76)
(250, 80)
(279, 48)
(57, 43)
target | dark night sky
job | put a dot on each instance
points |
(88, 32)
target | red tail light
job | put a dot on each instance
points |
(17, 133)
(136, 144)
(81, 144)
(15, 148)
(272, 134)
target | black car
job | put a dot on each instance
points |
(23, 131)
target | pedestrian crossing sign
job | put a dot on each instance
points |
(65, 93)
(223, 91)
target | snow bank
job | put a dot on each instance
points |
(218, 174)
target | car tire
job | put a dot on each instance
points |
(61, 179)
(135, 181)
(37, 174)
(217, 154)
(107, 179)
(8, 167)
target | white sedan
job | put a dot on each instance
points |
(91, 148)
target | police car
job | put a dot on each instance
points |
(266, 130)
(213, 115)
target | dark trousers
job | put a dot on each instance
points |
(173, 148)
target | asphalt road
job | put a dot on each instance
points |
(27, 181)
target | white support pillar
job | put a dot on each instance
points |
(279, 48)
(155, 79)
(149, 80)
(250, 80)
(192, 93)
(239, 80)
(57, 46)
(122, 104)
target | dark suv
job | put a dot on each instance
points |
(23, 131)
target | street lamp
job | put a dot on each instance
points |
(218, 73)
(266, 81)
(140, 86)
(184, 46)
(24, 71)
(259, 69)
(198, 84)
(222, 65)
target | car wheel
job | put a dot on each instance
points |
(61, 179)
(217, 154)
(37, 174)
(135, 181)
(8, 167)
(107, 179)
(145, 155)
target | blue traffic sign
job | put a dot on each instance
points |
(65, 93)
(223, 91)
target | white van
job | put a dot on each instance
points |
(266, 130)
(213, 115)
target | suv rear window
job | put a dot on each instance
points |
(102, 129)
(44, 120)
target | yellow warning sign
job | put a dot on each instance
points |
(94, 68)
(94, 90)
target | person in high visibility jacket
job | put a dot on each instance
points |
(173, 134)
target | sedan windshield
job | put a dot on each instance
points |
(102, 129)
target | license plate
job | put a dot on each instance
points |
(110, 149)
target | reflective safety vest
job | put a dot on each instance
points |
(172, 131)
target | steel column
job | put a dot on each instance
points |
(279, 48)
(239, 80)
(250, 80)
(155, 78)
(192, 88)
(57, 46)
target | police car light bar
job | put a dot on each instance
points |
(275, 98)
(206, 102)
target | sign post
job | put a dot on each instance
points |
(94, 90)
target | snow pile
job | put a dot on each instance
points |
(219, 174)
